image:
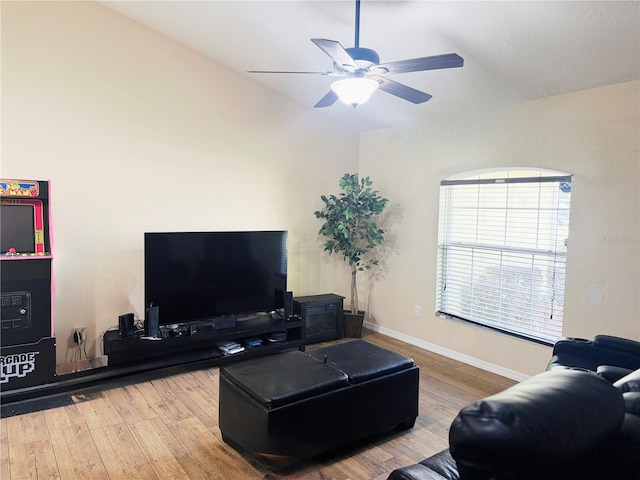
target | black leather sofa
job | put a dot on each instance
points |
(568, 424)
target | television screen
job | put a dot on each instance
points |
(202, 275)
(17, 228)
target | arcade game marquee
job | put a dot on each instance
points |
(27, 342)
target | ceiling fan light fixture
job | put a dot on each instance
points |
(354, 91)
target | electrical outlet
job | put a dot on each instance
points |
(79, 335)
(417, 310)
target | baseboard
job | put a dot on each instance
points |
(445, 352)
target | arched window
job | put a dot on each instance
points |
(502, 248)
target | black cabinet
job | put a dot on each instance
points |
(26, 301)
(322, 316)
(27, 342)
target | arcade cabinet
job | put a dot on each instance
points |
(27, 342)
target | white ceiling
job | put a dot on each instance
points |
(512, 50)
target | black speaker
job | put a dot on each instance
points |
(288, 305)
(152, 322)
(125, 325)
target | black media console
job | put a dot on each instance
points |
(198, 341)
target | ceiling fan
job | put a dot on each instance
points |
(363, 73)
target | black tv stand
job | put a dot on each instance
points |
(198, 341)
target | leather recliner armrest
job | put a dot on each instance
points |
(571, 352)
(444, 464)
(629, 383)
(612, 373)
(440, 466)
(571, 345)
(544, 427)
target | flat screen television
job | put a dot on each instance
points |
(196, 276)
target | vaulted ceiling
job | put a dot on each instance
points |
(513, 50)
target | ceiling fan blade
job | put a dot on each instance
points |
(399, 90)
(448, 60)
(337, 53)
(328, 100)
(302, 73)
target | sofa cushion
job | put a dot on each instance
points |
(537, 427)
(362, 360)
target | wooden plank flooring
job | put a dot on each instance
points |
(167, 428)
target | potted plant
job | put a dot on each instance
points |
(351, 230)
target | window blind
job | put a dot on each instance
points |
(502, 253)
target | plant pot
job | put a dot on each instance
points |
(352, 323)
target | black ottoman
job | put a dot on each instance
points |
(300, 404)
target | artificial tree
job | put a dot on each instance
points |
(350, 226)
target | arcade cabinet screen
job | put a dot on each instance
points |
(17, 228)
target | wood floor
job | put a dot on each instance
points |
(166, 427)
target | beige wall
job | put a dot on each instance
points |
(592, 134)
(137, 133)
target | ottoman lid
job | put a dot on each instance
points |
(362, 360)
(284, 378)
